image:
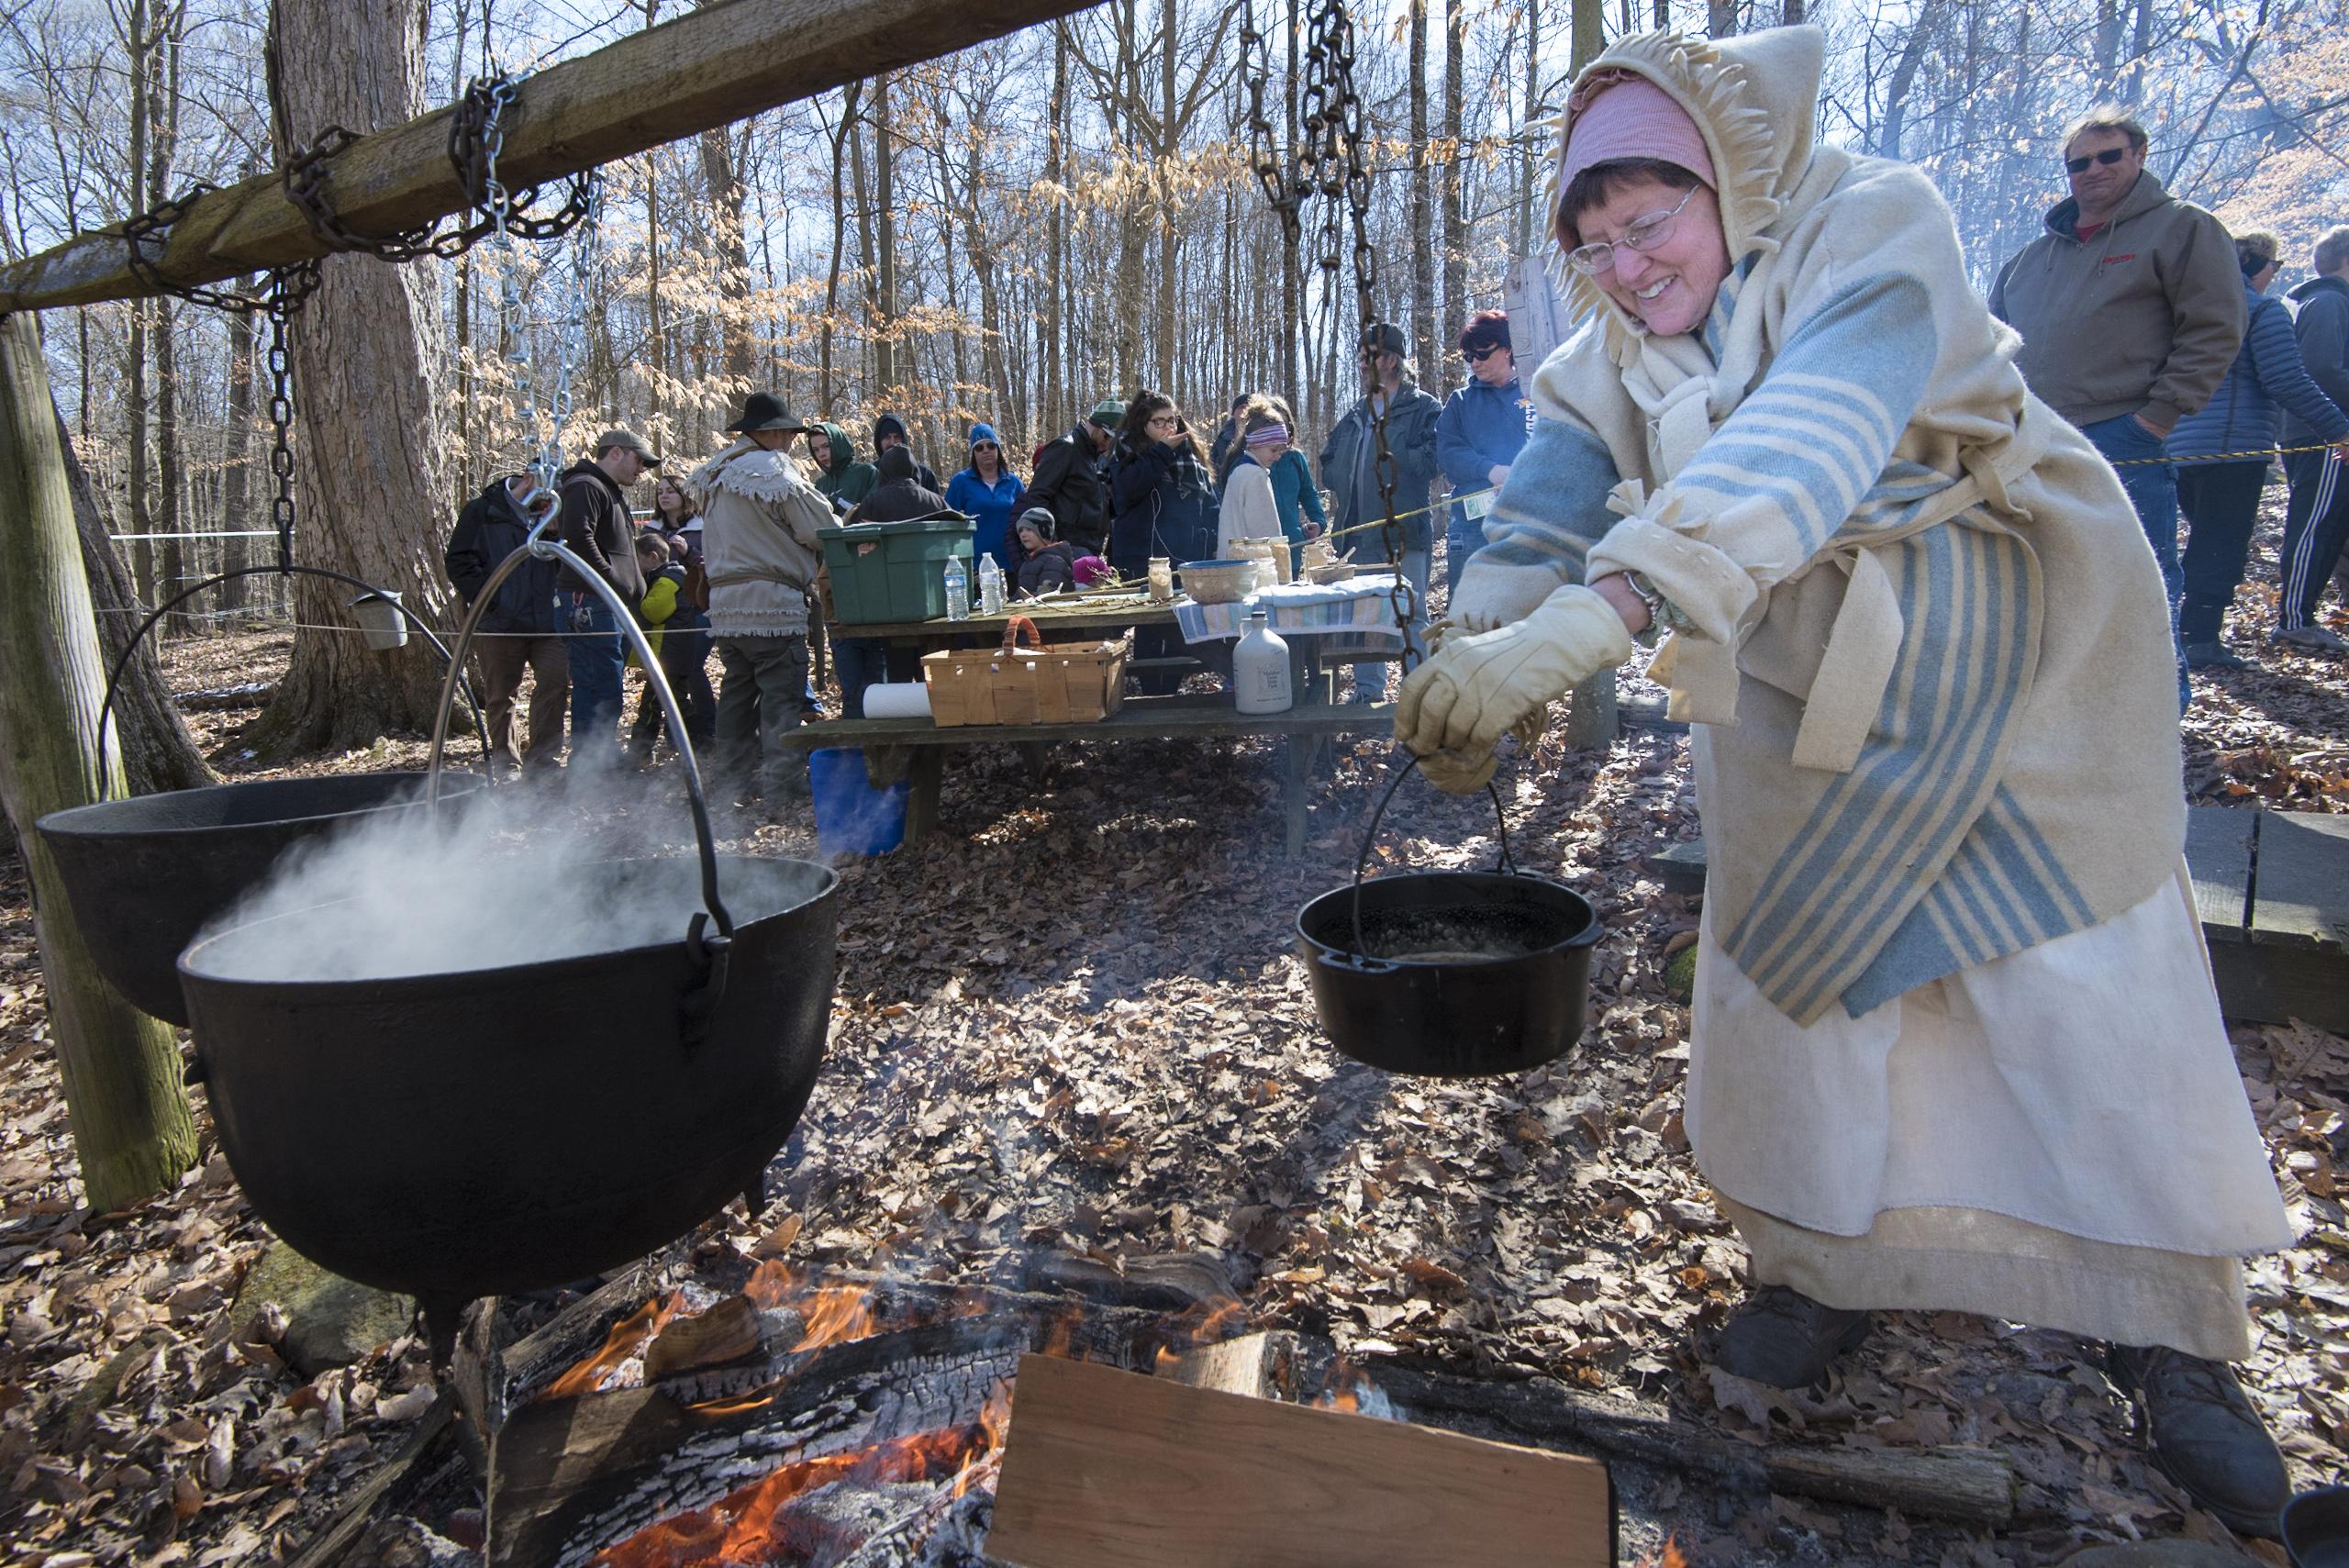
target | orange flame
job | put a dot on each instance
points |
(609, 1367)
(835, 1314)
(1670, 1556)
(761, 1523)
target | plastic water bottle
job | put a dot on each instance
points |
(1260, 673)
(990, 585)
(957, 589)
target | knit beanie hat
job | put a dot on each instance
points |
(984, 432)
(1041, 518)
(1617, 114)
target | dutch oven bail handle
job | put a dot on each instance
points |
(154, 618)
(1360, 958)
(709, 951)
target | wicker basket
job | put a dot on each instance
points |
(1048, 683)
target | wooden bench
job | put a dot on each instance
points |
(2272, 888)
(1204, 715)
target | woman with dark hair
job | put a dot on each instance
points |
(1161, 495)
(2220, 499)
(1479, 433)
(989, 493)
(1955, 1044)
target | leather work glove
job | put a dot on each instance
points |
(1488, 596)
(1467, 696)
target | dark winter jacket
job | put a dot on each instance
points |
(596, 525)
(1165, 504)
(1347, 470)
(2143, 316)
(2266, 378)
(900, 496)
(2323, 327)
(490, 529)
(1054, 566)
(1482, 428)
(845, 480)
(1222, 451)
(888, 424)
(1069, 480)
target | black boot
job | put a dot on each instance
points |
(1782, 1338)
(2204, 1435)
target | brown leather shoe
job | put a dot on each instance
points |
(1782, 1338)
(2204, 1435)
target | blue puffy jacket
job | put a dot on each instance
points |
(2267, 377)
(1481, 429)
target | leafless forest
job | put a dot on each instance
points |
(1007, 233)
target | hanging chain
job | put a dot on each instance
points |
(1285, 189)
(1338, 167)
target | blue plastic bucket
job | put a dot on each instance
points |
(851, 817)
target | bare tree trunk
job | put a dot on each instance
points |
(1590, 32)
(171, 472)
(1052, 403)
(885, 221)
(1169, 120)
(158, 752)
(1790, 14)
(825, 390)
(1455, 216)
(236, 478)
(369, 458)
(863, 242)
(1423, 338)
(1904, 77)
(132, 1129)
(721, 172)
(2141, 44)
(144, 44)
(2106, 43)
(1720, 17)
(1528, 155)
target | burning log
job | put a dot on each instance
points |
(836, 1372)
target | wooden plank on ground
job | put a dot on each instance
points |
(1102, 1466)
(2301, 894)
(2218, 858)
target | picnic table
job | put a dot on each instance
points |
(1315, 720)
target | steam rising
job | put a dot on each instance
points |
(509, 876)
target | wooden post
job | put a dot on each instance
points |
(131, 1125)
(1590, 712)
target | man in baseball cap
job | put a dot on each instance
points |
(1069, 480)
(628, 442)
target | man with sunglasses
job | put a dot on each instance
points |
(2130, 308)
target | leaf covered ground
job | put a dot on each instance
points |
(1073, 1020)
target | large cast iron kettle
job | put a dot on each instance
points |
(510, 1129)
(1452, 974)
(144, 875)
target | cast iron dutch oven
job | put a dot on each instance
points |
(502, 1129)
(1449, 974)
(144, 875)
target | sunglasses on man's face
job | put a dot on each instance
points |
(2109, 157)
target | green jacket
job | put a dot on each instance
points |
(847, 482)
(2143, 316)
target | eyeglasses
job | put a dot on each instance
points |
(2109, 157)
(1157, 419)
(1478, 356)
(1644, 234)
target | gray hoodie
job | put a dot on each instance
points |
(2143, 317)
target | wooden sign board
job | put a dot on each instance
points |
(1106, 1468)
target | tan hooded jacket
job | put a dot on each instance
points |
(759, 520)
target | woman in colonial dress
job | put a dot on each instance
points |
(1954, 1045)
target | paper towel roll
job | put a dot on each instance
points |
(903, 699)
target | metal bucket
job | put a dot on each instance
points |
(1449, 974)
(509, 1129)
(144, 875)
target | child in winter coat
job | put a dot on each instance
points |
(1046, 566)
(664, 576)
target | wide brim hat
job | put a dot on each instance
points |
(764, 411)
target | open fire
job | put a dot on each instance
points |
(780, 1454)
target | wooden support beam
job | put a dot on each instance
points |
(706, 68)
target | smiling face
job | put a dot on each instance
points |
(1669, 287)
